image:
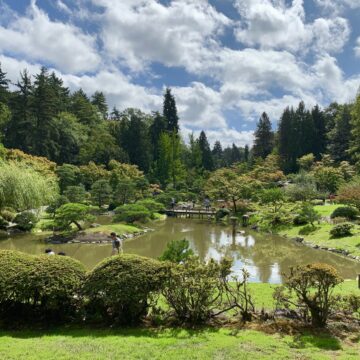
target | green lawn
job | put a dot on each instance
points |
(171, 344)
(326, 210)
(120, 229)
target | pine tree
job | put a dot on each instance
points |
(115, 114)
(206, 156)
(354, 149)
(99, 101)
(170, 112)
(82, 108)
(22, 121)
(157, 127)
(235, 154)
(217, 153)
(264, 137)
(4, 87)
(319, 144)
(246, 153)
(306, 131)
(339, 136)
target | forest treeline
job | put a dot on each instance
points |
(42, 117)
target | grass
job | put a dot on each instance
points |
(321, 236)
(120, 229)
(170, 344)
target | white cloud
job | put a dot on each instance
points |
(338, 6)
(357, 47)
(37, 38)
(273, 24)
(143, 31)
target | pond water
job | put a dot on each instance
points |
(266, 257)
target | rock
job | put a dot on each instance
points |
(298, 239)
(95, 225)
(241, 232)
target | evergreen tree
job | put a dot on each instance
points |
(339, 136)
(99, 101)
(319, 143)
(4, 86)
(246, 153)
(217, 154)
(206, 156)
(354, 149)
(61, 93)
(235, 154)
(157, 127)
(170, 112)
(306, 131)
(264, 137)
(115, 114)
(81, 107)
(22, 122)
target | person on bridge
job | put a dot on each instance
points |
(173, 202)
(207, 204)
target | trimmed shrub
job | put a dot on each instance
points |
(38, 288)
(132, 212)
(307, 230)
(3, 223)
(348, 212)
(119, 288)
(341, 230)
(300, 220)
(221, 213)
(26, 220)
(152, 205)
(8, 215)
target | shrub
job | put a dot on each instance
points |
(26, 220)
(132, 212)
(341, 230)
(313, 285)
(3, 223)
(72, 213)
(177, 251)
(193, 289)
(308, 229)
(43, 288)
(119, 288)
(152, 205)
(7, 214)
(221, 213)
(300, 220)
(307, 214)
(348, 212)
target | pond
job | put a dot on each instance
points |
(265, 256)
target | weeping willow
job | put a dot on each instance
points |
(22, 188)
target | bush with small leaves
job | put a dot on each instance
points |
(26, 220)
(131, 213)
(39, 288)
(193, 290)
(119, 288)
(8, 214)
(348, 212)
(312, 286)
(307, 230)
(341, 230)
(177, 251)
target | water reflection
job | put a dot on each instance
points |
(265, 257)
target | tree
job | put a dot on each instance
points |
(206, 156)
(273, 197)
(22, 120)
(320, 135)
(99, 101)
(72, 213)
(75, 193)
(349, 193)
(306, 162)
(328, 179)
(101, 192)
(354, 145)
(309, 214)
(217, 154)
(69, 175)
(177, 251)
(264, 137)
(340, 135)
(83, 109)
(4, 87)
(5, 116)
(170, 112)
(22, 188)
(157, 127)
(246, 153)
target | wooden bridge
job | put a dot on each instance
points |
(190, 213)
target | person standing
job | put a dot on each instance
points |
(116, 244)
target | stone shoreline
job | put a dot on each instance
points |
(342, 252)
(92, 238)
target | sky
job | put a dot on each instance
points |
(227, 61)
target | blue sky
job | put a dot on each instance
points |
(227, 61)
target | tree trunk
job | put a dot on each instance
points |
(78, 225)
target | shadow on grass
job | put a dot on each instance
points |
(178, 333)
(324, 341)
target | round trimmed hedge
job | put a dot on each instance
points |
(348, 212)
(39, 287)
(119, 288)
